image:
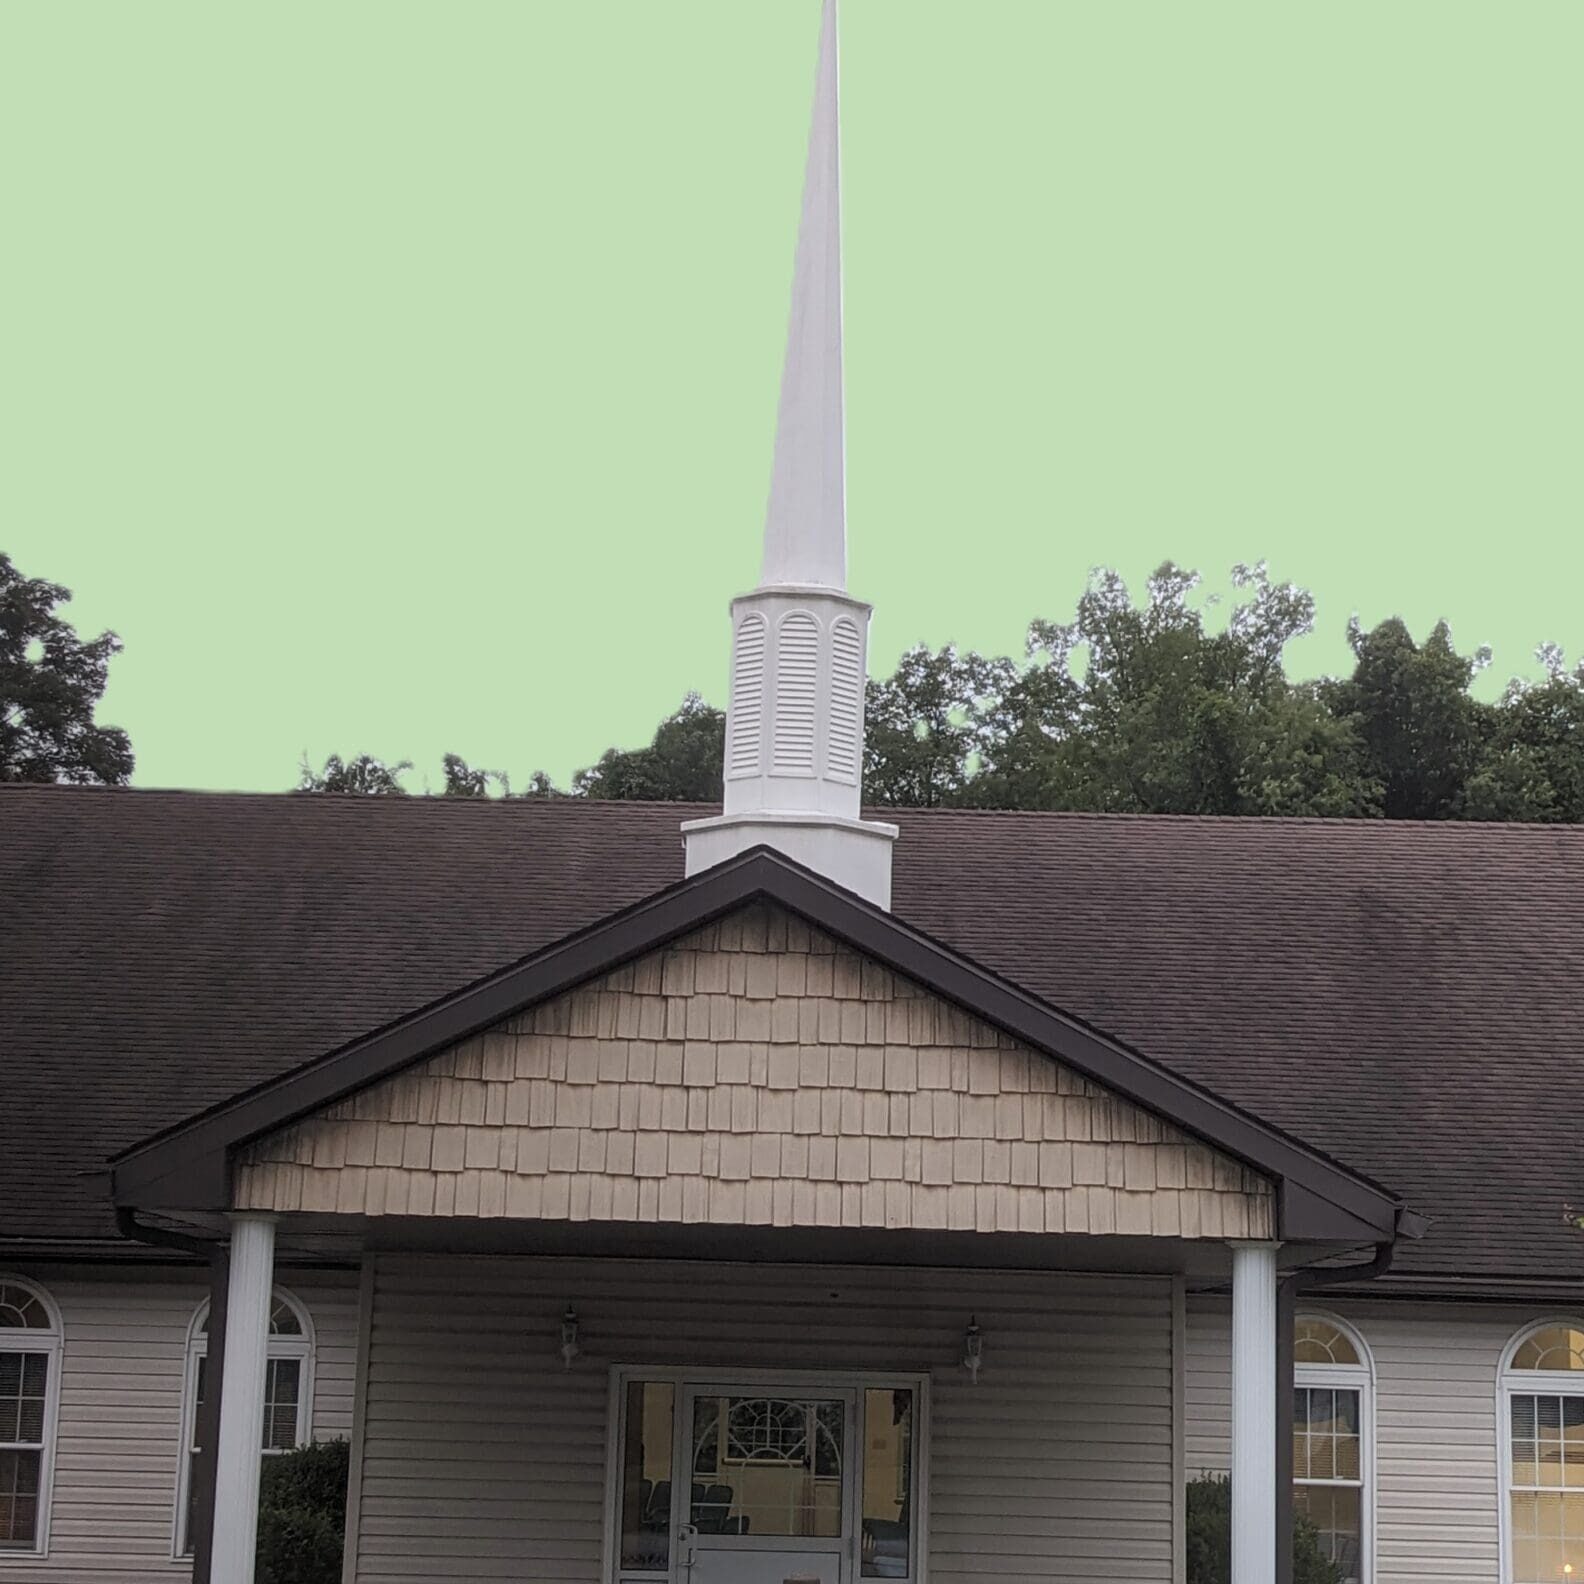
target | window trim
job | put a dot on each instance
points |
(301, 1347)
(1358, 1377)
(53, 1343)
(1531, 1382)
(690, 1375)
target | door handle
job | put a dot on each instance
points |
(686, 1535)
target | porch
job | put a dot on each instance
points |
(673, 1418)
(749, 1152)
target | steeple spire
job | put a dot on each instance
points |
(805, 527)
(795, 726)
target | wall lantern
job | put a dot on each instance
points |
(973, 1349)
(569, 1337)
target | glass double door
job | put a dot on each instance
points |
(771, 1493)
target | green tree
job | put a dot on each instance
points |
(1532, 766)
(1144, 709)
(302, 1515)
(1421, 734)
(929, 724)
(50, 683)
(1208, 1532)
(462, 780)
(681, 765)
(364, 775)
(1150, 708)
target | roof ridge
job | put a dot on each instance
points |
(1451, 828)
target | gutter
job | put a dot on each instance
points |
(128, 1225)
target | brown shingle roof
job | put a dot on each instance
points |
(1402, 996)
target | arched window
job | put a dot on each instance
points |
(1542, 1416)
(1333, 1454)
(288, 1395)
(30, 1349)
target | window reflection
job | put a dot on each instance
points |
(646, 1477)
(767, 1466)
(1328, 1482)
(1547, 1486)
(887, 1483)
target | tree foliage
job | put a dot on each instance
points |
(1144, 709)
(462, 780)
(1160, 705)
(50, 684)
(364, 774)
(1208, 1532)
(681, 765)
(302, 1515)
(1409, 707)
(929, 724)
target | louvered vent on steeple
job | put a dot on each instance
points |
(797, 684)
(746, 714)
(843, 749)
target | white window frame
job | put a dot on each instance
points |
(1512, 1382)
(1358, 1377)
(280, 1347)
(811, 1381)
(53, 1343)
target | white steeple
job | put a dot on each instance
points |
(794, 725)
(805, 538)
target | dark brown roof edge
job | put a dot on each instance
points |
(187, 1165)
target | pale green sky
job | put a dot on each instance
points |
(400, 377)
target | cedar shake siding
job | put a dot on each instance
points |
(754, 1073)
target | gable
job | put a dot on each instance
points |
(754, 1072)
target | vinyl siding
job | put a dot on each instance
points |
(1437, 1513)
(483, 1459)
(119, 1439)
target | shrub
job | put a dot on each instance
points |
(1209, 1536)
(302, 1515)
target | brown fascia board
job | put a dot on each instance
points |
(188, 1166)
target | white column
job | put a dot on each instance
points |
(1254, 1413)
(238, 1447)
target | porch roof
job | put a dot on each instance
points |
(1318, 1200)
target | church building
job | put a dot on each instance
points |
(785, 1189)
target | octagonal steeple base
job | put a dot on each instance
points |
(856, 853)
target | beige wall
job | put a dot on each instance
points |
(755, 1073)
(118, 1446)
(1436, 1450)
(483, 1459)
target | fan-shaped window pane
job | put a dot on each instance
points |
(284, 1320)
(1551, 1348)
(22, 1310)
(1321, 1342)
